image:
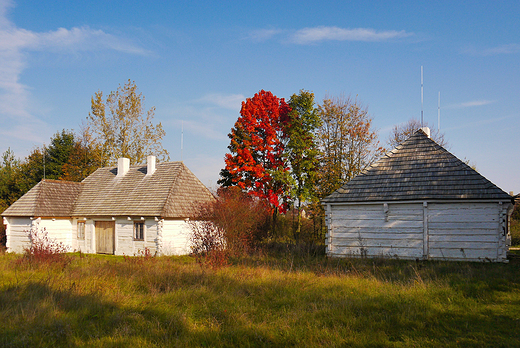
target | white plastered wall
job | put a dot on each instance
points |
(176, 236)
(18, 229)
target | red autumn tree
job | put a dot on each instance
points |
(255, 162)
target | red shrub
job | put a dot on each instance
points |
(44, 250)
(231, 225)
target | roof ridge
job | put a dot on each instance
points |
(400, 175)
(171, 190)
(60, 181)
(37, 203)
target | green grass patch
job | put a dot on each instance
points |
(260, 301)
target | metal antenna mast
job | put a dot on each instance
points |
(422, 97)
(44, 151)
(182, 136)
(439, 113)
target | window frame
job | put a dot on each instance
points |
(81, 235)
(139, 231)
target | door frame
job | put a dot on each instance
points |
(97, 231)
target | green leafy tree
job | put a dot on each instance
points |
(58, 153)
(47, 162)
(121, 127)
(31, 170)
(302, 149)
(9, 186)
(84, 158)
(9, 171)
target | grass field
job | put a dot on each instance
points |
(261, 301)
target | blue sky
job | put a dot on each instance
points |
(195, 61)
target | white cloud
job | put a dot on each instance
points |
(204, 129)
(470, 104)
(311, 35)
(209, 117)
(486, 121)
(207, 122)
(75, 39)
(206, 168)
(493, 51)
(264, 34)
(4, 5)
(17, 43)
(230, 101)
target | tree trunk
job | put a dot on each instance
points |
(299, 224)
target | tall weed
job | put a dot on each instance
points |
(3, 237)
(44, 250)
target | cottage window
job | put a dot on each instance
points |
(138, 230)
(81, 229)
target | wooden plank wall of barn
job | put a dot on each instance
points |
(455, 231)
(367, 230)
(464, 231)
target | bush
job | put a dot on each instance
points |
(3, 237)
(208, 241)
(44, 250)
(515, 233)
(141, 257)
(232, 225)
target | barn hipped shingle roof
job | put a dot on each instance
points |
(418, 169)
(172, 191)
(48, 198)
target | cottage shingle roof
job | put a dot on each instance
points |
(418, 169)
(48, 198)
(172, 191)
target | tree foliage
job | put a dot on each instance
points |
(256, 163)
(9, 171)
(120, 127)
(50, 162)
(58, 153)
(84, 158)
(66, 158)
(302, 149)
(403, 131)
(296, 152)
(347, 141)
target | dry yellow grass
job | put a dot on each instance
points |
(281, 300)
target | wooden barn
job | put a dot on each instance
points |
(119, 210)
(419, 202)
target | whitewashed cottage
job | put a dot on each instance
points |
(419, 202)
(119, 210)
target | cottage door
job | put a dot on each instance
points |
(105, 232)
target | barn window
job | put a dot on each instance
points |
(81, 229)
(138, 230)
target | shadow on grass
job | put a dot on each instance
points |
(268, 302)
(258, 306)
(36, 315)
